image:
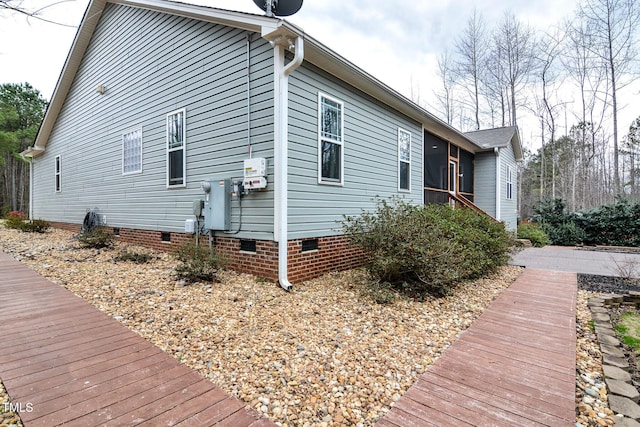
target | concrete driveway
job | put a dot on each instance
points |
(604, 263)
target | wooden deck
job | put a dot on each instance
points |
(515, 366)
(65, 362)
(74, 365)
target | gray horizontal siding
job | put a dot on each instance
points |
(508, 208)
(152, 64)
(370, 150)
(484, 184)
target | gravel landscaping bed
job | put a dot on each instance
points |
(324, 354)
(8, 417)
(592, 407)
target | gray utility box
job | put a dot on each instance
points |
(217, 210)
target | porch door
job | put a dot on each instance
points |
(453, 181)
(453, 176)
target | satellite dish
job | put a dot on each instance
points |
(279, 7)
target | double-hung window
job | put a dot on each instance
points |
(58, 173)
(176, 149)
(132, 152)
(509, 182)
(404, 160)
(330, 140)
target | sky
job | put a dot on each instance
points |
(396, 41)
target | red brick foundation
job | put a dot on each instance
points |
(333, 253)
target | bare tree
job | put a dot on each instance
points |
(19, 7)
(548, 72)
(612, 25)
(445, 95)
(471, 48)
(514, 59)
(631, 150)
(586, 70)
(495, 86)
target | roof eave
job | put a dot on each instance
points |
(90, 20)
(517, 146)
(315, 53)
(324, 58)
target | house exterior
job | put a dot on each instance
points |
(497, 170)
(161, 106)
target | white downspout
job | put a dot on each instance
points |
(281, 155)
(31, 188)
(496, 150)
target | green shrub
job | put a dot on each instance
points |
(197, 263)
(564, 234)
(561, 227)
(534, 234)
(14, 219)
(135, 257)
(427, 249)
(96, 239)
(617, 224)
(35, 226)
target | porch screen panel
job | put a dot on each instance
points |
(466, 170)
(436, 161)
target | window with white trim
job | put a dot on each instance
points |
(404, 160)
(176, 149)
(58, 174)
(509, 183)
(330, 140)
(132, 152)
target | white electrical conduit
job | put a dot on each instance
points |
(249, 149)
(281, 155)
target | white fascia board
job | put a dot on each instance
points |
(517, 146)
(71, 65)
(34, 151)
(242, 20)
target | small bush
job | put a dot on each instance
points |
(135, 257)
(14, 219)
(534, 234)
(96, 239)
(561, 227)
(427, 249)
(35, 226)
(564, 234)
(197, 263)
(381, 293)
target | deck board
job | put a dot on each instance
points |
(79, 367)
(515, 365)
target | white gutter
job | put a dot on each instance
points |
(496, 150)
(281, 155)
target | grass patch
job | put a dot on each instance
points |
(628, 327)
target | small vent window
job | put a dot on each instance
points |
(116, 231)
(309, 245)
(58, 174)
(248, 245)
(165, 237)
(132, 152)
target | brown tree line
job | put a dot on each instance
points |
(21, 111)
(570, 79)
